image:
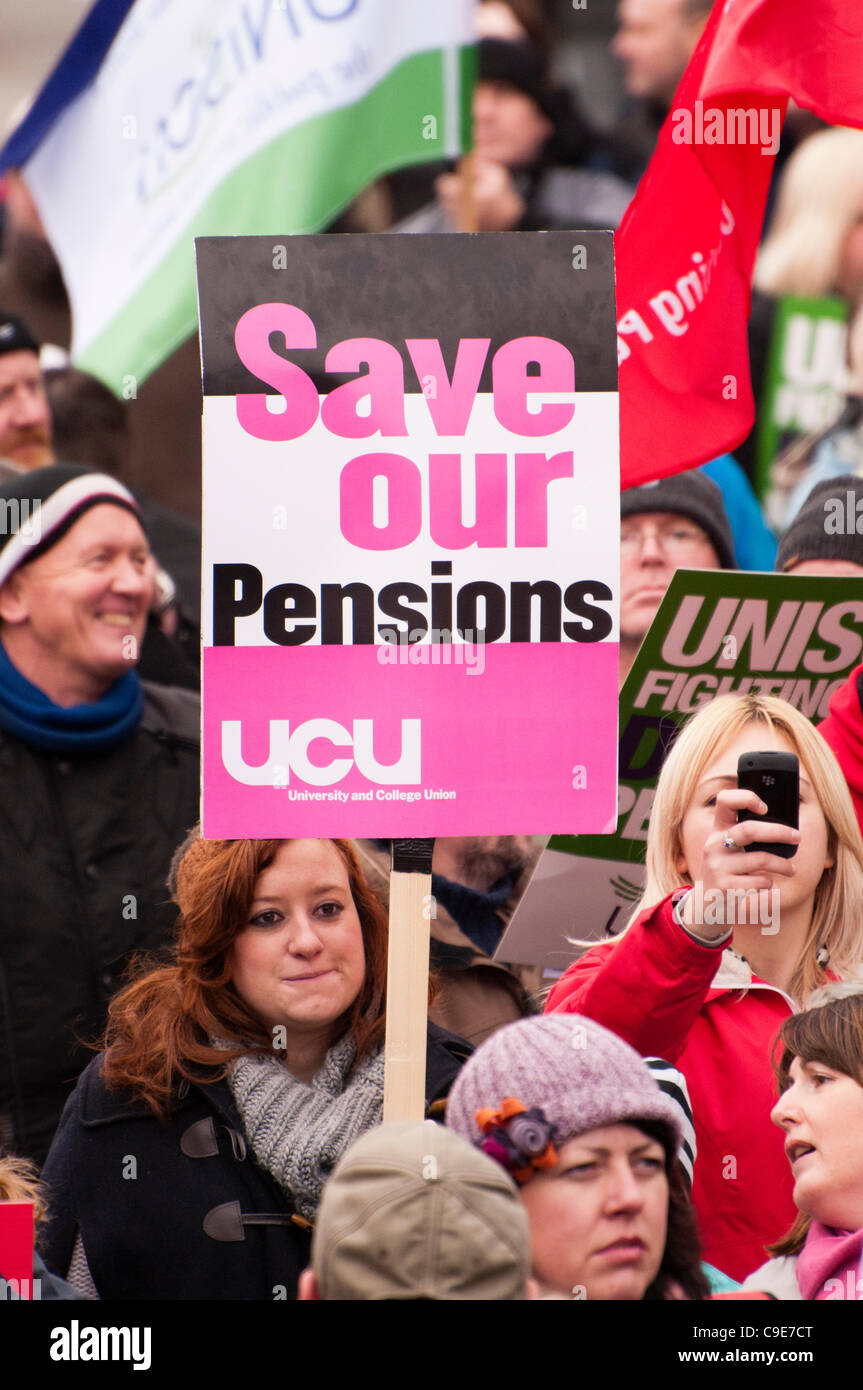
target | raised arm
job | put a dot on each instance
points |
(648, 986)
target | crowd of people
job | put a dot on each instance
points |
(192, 1031)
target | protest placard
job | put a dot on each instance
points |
(410, 555)
(805, 378)
(716, 632)
(16, 1251)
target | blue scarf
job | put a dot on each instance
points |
(27, 712)
(474, 911)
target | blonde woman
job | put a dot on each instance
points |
(726, 944)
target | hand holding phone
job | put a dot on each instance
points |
(775, 778)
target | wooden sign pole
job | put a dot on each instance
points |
(468, 220)
(407, 981)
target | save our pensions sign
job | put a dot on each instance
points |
(410, 567)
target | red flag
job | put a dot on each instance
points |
(686, 247)
(16, 1246)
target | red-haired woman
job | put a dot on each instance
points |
(191, 1156)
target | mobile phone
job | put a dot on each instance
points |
(775, 777)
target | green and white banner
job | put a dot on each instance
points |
(224, 117)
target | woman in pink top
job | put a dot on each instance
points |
(820, 1113)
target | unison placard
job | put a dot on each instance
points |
(410, 569)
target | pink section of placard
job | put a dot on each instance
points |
(515, 739)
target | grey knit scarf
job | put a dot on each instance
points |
(299, 1130)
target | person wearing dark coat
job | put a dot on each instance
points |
(531, 148)
(190, 1159)
(99, 780)
(220, 1225)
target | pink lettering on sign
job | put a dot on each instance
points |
(404, 501)
(383, 385)
(449, 402)
(533, 473)
(252, 341)
(446, 524)
(512, 385)
(447, 528)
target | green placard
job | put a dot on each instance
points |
(719, 632)
(804, 383)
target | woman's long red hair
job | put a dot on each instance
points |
(160, 1025)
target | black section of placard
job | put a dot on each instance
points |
(393, 286)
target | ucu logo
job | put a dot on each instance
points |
(291, 752)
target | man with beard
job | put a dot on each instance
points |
(477, 882)
(164, 411)
(25, 417)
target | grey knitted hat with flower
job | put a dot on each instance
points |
(580, 1075)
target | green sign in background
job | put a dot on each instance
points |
(718, 632)
(804, 380)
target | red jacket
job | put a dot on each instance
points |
(662, 992)
(843, 730)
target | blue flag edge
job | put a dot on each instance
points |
(74, 71)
